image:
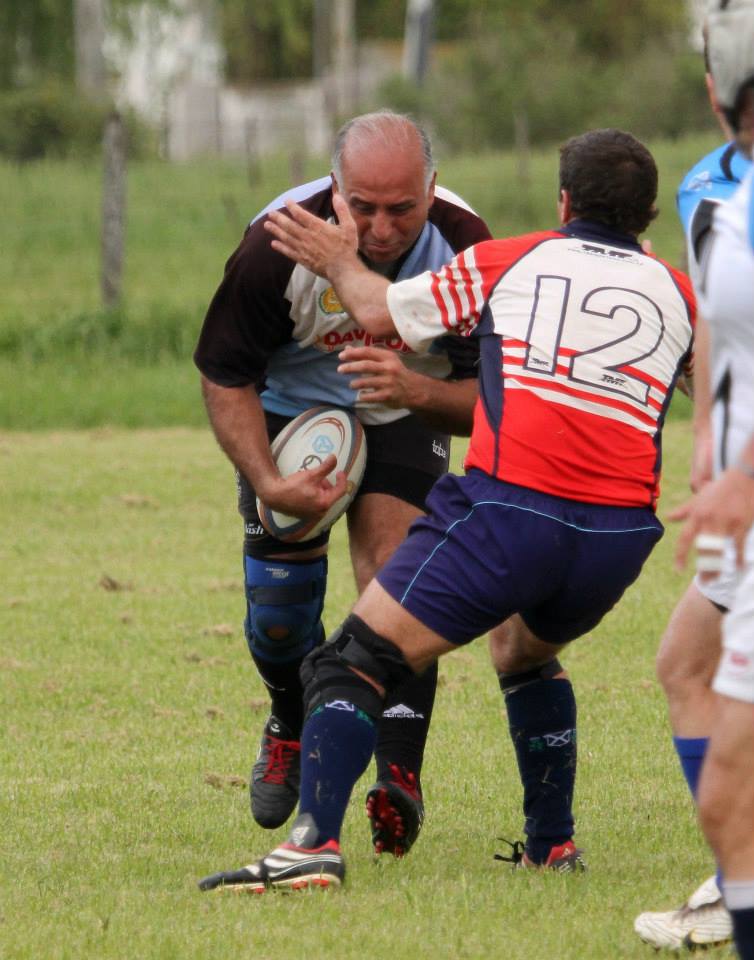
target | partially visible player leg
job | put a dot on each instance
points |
(404, 460)
(285, 587)
(377, 524)
(686, 661)
(726, 789)
(726, 806)
(284, 600)
(346, 682)
(542, 720)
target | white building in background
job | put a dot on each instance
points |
(170, 71)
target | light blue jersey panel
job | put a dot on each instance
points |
(715, 177)
(298, 194)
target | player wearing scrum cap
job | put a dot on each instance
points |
(719, 519)
(690, 647)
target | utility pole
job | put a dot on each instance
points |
(344, 57)
(113, 209)
(89, 39)
(417, 40)
(321, 33)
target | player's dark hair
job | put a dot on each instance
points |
(610, 177)
(742, 102)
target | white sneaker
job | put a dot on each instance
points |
(701, 921)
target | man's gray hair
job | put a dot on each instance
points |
(397, 129)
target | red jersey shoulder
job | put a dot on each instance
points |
(493, 258)
(510, 249)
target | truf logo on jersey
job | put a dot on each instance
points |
(329, 303)
(605, 252)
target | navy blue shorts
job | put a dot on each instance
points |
(489, 549)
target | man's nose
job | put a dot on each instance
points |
(381, 226)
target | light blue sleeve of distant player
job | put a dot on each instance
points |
(707, 179)
(751, 218)
(298, 194)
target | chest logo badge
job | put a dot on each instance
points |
(329, 303)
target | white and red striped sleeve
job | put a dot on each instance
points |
(433, 304)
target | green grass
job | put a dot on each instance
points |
(56, 343)
(130, 706)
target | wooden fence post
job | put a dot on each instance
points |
(113, 208)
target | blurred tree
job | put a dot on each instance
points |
(38, 37)
(36, 41)
(89, 43)
(267, 39)
(272, 39)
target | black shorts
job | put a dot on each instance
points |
(404, 459)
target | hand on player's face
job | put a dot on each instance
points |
(314, 243)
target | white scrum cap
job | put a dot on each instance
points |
(730, 49)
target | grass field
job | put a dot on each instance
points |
(131, 713)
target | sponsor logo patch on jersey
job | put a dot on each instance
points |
(329, 303)
(335, 340)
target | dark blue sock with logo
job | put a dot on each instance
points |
(336, 746)
(542, 722)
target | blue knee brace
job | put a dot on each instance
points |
(284, 602)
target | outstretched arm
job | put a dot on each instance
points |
(331, 250)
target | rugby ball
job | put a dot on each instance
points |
(304, 444)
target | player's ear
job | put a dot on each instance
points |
(431, 189)
(564, 206)
(335, 187)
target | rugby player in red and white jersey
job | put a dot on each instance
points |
(582, 338)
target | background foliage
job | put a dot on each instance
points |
(502, 71)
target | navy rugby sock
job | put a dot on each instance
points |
(403, 727)
(691, 751)
(336, 747)
(743, 932)
(542, 722)
(286, 693)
